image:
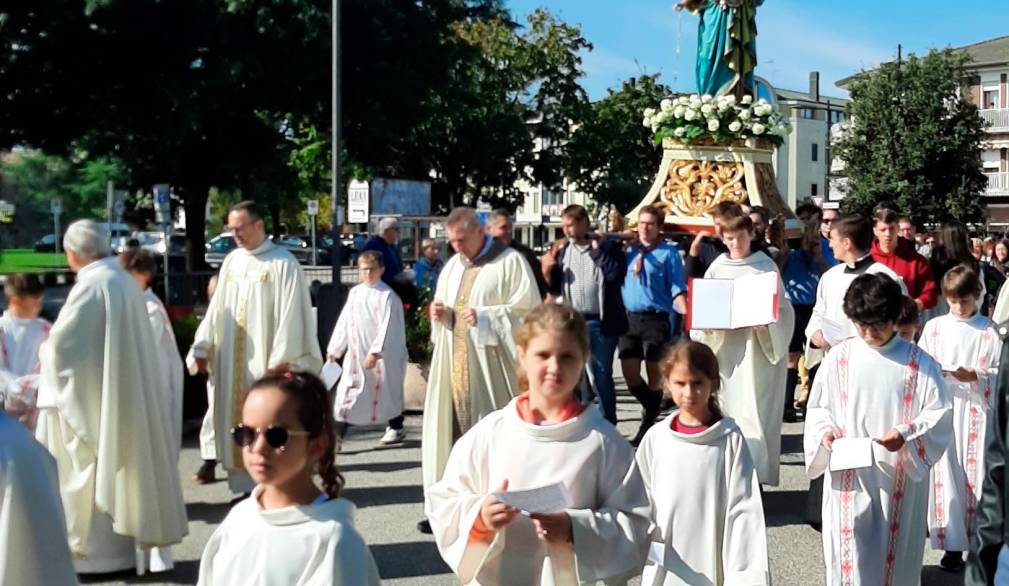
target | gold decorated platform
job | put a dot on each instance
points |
(693, 179)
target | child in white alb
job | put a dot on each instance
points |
(967, 346)
(710, 522)
(543, 437)
(288, 531)
(22, 332)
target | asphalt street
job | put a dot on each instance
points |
(385, 483)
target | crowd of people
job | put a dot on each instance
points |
(883, 340)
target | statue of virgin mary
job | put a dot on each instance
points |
(726, 45)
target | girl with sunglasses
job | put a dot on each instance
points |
(289, 531)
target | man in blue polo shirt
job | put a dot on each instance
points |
(653, 289)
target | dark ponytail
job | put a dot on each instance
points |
(315, 413)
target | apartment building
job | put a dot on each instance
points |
(803, 161)
(989, 90)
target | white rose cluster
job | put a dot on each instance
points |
(721, 116)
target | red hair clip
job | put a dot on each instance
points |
(288, 375)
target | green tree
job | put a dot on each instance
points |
(915, 139)
(78, 180)
(612, 156)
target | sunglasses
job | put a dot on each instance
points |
(276, 437)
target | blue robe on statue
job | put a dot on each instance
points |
(719, 29)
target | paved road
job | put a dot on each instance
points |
(385, 484)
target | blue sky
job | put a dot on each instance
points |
(835, 37)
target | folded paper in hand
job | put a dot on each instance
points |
(330, 374)
(833, 333)
(728, 304)
(552, 498)
(848, 453)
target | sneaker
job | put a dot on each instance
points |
(393, 436)
(952, 561)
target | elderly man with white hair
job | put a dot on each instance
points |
(483, 294)
(385, 243)
(103, 421)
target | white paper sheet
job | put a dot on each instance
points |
(848, 453)
(330, 374)
(753, 300)
(657, 553)
(833, 332)
(552, 498)
(711, 300)
(728, 304)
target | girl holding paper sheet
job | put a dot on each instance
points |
(542, 437)
(701, 483)
(752, 361)
(882, 387)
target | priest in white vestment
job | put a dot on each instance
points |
(260, 317)
(888, 393)
(483, 293)
(753, 361)
(851, 243)
(107, 426)
(32, 526)
(370, 335)
(964, 342)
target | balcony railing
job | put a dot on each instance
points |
(997, 119)
(998, 184)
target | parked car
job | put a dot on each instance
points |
(218, 248)
(154, 242)
(46, 244)
(121, 235)
(299, 248)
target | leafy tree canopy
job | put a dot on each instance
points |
(612, 156)
(915, 139)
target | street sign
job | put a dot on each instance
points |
(313, 207)
(357, 202)
(56, 206)
(163, 203)
(120, 206)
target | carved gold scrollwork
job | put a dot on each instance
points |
(694, 188)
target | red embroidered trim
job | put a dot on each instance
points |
(847, 480)
(940, 510)
(972, 437)
(911, 382)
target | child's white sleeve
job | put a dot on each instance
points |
(613, 539)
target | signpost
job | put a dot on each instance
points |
(110, 192)
(163, 216)
(56, 207)
(313, 212)
(120, 204)
(357, 202)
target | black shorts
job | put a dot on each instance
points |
(802, 315)
(648, 335)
